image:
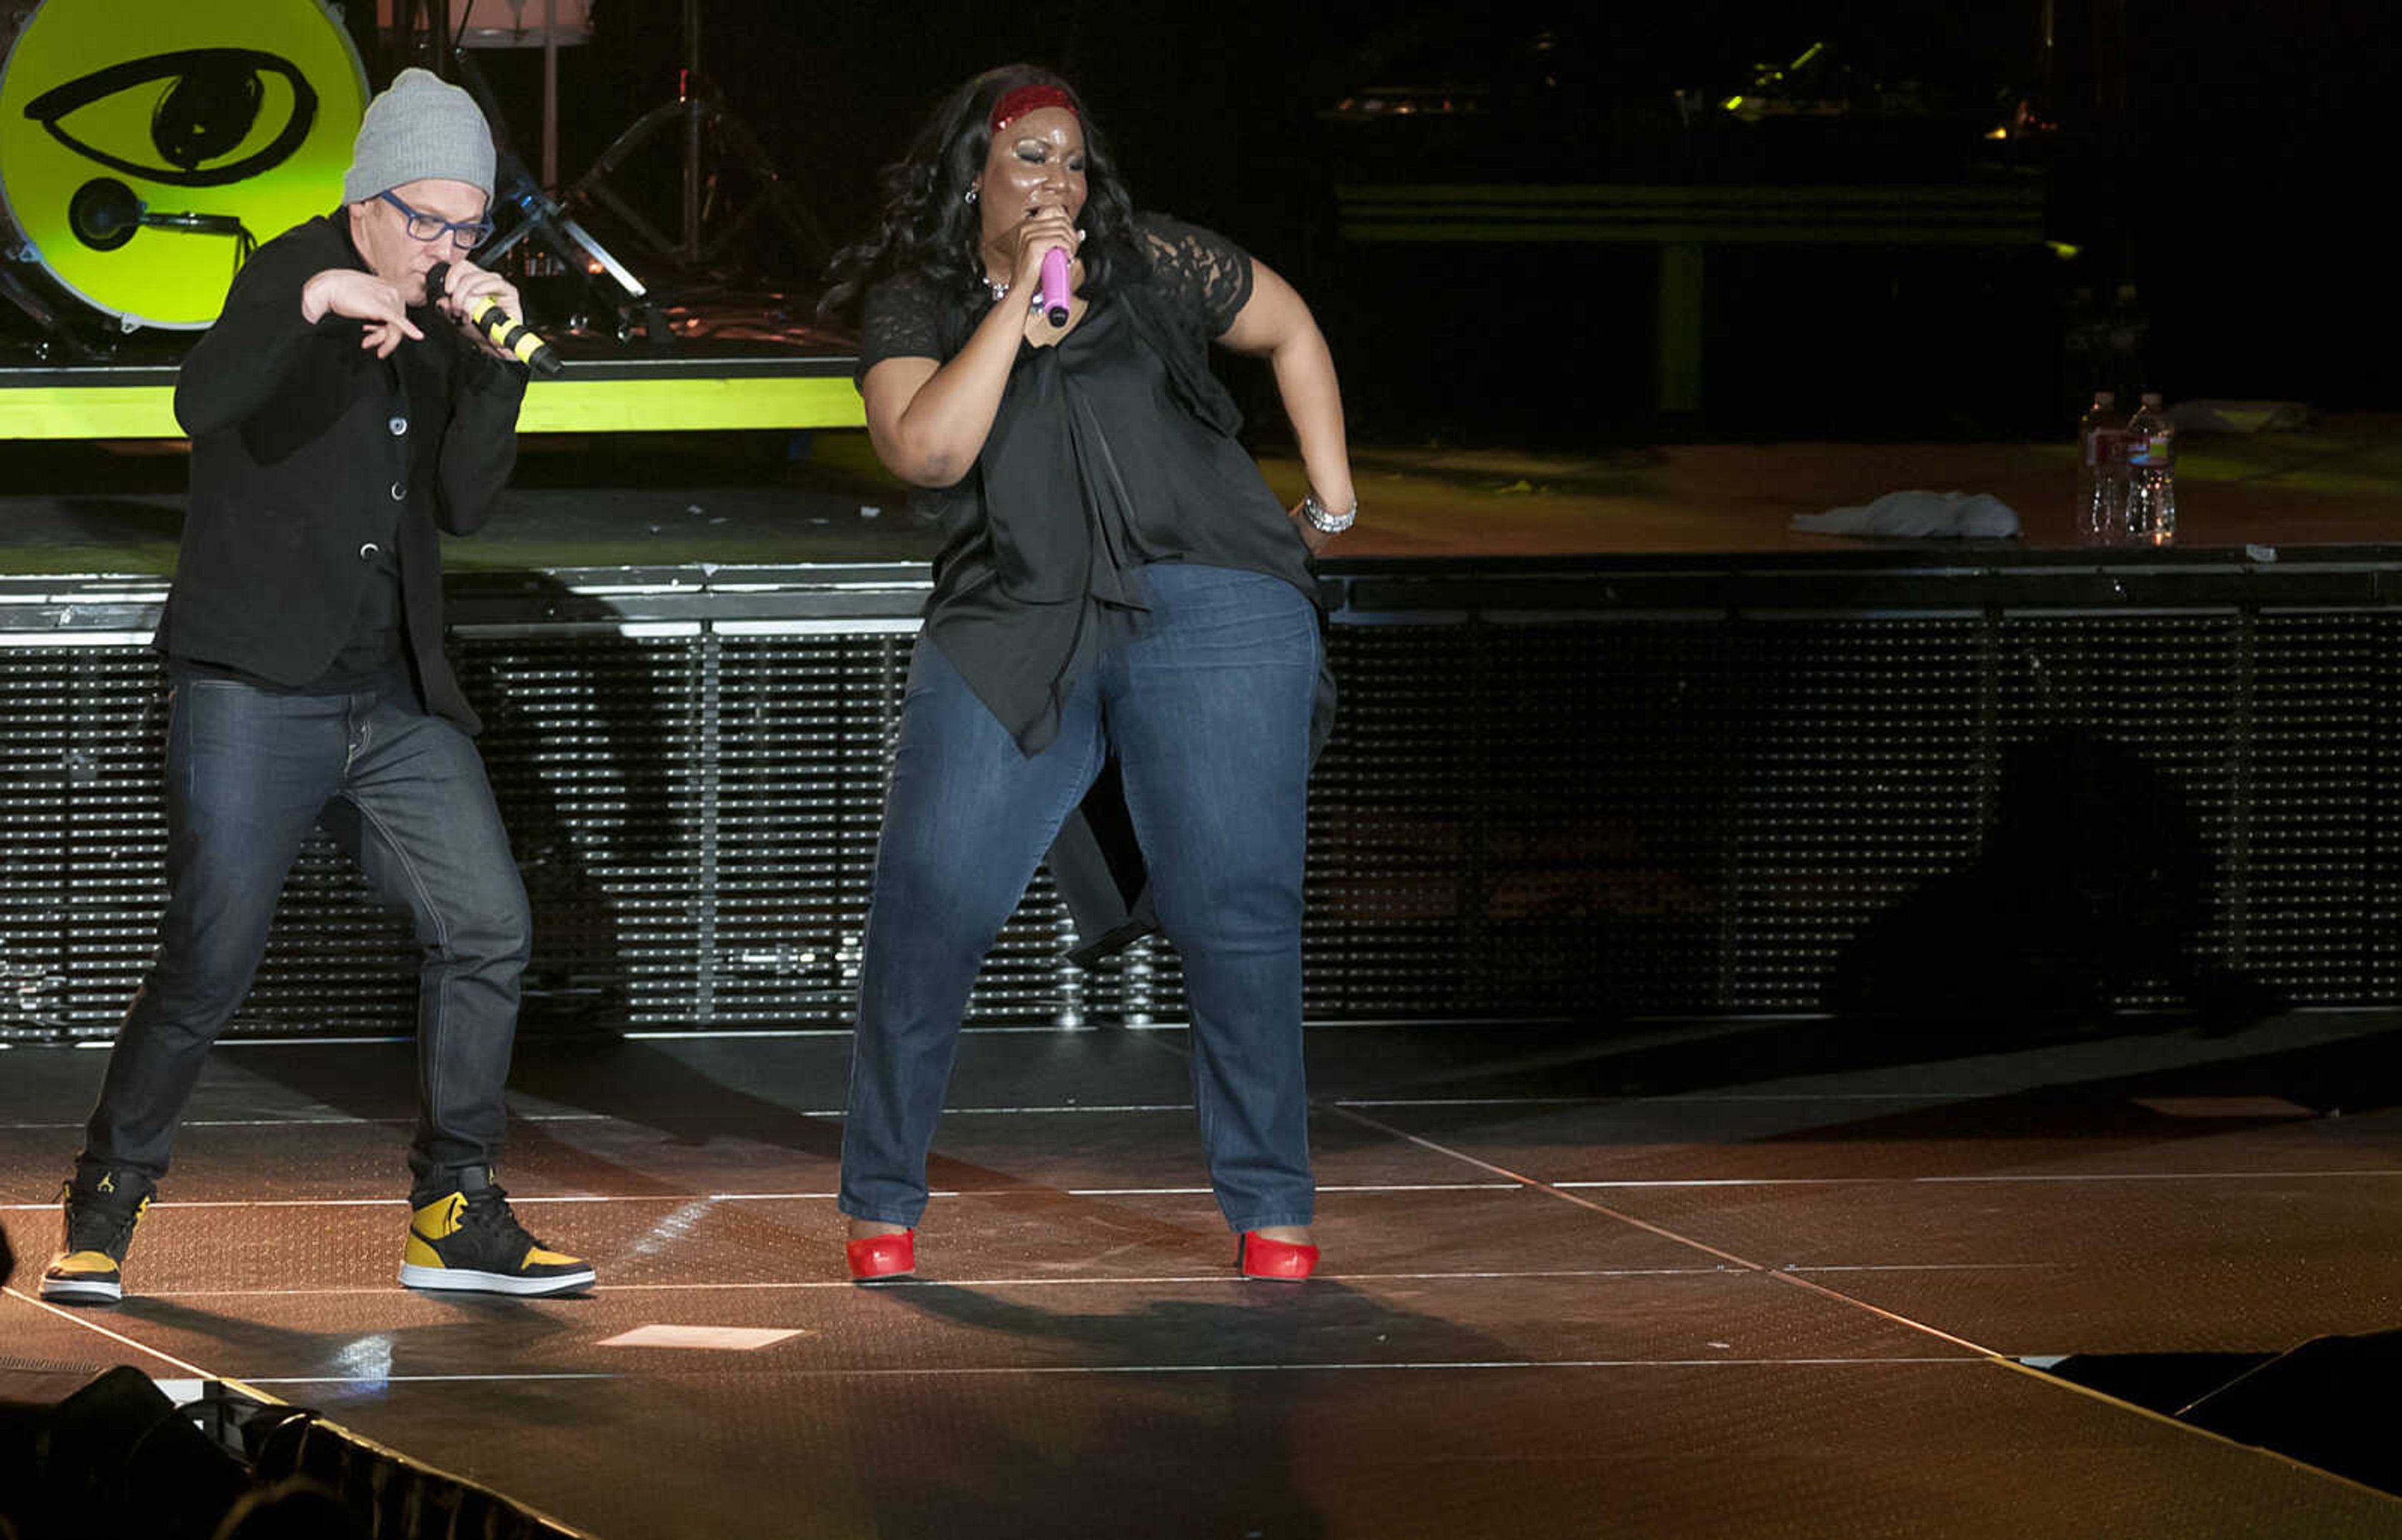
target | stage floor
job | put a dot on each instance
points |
(600, 500)
(1733, 1279)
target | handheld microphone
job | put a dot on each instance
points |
(1055, 285)
(508, 334)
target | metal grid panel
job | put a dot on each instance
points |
(2313, 867)
(2151, 717)
(1517, 816)
(804, 746)
(594, 745)
(1390, 809)
(85, 835)
(698, 819)
(2384, 981)
(336, 965)
(1601, 815)
(1859, 746)
(81, 838)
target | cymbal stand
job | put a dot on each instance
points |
(705, 117)
(542, 216)
(54, 326)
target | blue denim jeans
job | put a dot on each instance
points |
(1208, 713)
(249, 771)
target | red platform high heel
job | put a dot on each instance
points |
(1257, 1257)
(873, 1257)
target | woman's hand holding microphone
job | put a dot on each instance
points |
(1045, 230)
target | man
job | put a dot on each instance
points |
(337, 415)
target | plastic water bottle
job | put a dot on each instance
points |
(2151, 475)
(2101, 473)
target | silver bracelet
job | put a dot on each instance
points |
(1327, 523)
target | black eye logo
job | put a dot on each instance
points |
(210, 110)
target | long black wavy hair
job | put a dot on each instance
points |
(927, 227)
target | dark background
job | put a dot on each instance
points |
(2226, 157)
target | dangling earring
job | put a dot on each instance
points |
(971, 197)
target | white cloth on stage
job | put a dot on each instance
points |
(1918, 515)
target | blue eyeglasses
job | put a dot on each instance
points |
(467, 234)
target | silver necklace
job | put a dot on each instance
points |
(1001, 291)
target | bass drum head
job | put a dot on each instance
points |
(240, 108)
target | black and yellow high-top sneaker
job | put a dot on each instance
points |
(88, 1269)
(468, 1240)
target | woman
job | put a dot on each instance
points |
(1115, 579)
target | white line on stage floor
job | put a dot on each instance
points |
(1001, 1371)
(1068, 1109)
(84, 1321)
(410, 1379)
(1926, 1098)
(963, 1371)
(1030, 1109)
(1322, 1188)
(337, 1122)
(1675, 1098)
(828, 1195)
(1993, 1178)
(1637, 1222)
(1356, 1190)
(1922, 1267)
(1175, 1279)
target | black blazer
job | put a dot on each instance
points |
(304, 445)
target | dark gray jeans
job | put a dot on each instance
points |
(249, 771)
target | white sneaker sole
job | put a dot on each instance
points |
(82, 1293)
(460, 1280)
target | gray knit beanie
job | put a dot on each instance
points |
(421, 128)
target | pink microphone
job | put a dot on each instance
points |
(1055, 285)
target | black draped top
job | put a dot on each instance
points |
(1111, 449)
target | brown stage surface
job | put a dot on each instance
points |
(606, 500)
(1726, 1280)
(1699, 1280)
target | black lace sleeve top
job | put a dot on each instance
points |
(1111, 449)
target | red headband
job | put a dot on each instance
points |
(1025, 99)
